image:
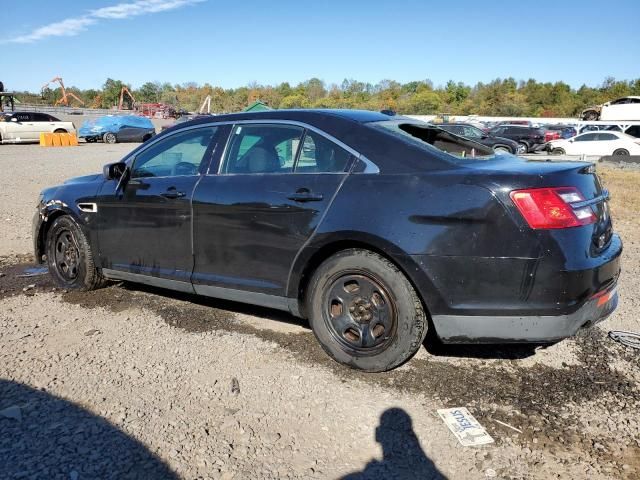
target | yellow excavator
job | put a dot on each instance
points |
(65, 95)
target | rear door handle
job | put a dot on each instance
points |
(172, 193)
(304, 195)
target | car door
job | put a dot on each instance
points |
(21, 128)
(607, 143)
(582, 144)
(145, 226)
(253, 215)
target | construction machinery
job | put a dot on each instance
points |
(122, 93)
(65, 94)
(206, 103)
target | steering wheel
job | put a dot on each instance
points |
(184, 168)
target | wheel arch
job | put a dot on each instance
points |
(304, 268)
(49, 216)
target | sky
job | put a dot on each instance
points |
(232, 44)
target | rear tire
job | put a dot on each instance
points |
(69, 256)
(524, 146)
(364, 311)
(558, 151)
(621, 151)
(109, 138)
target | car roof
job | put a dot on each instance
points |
(360, 116)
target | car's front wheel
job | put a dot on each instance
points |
(69, 256)
(523, 147)
(364, 311)
(109, 137)
(621, 151)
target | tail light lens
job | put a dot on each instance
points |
(545, 208)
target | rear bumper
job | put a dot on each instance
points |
(524, 329)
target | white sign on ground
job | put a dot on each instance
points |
(465, 427)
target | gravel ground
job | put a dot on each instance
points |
(134, 382)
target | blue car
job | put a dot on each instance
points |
(117, 128)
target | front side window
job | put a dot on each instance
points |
(587, 137)
(177, 155)
(262, 148)
(321, 155)
(40, 117)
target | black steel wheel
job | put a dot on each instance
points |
(359, 312)
(364, 311)
(69, 256)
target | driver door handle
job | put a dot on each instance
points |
(305, 195)
(172, 193)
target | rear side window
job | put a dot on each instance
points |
(607, 136)
(262, 149)
(321, 155)
(40, 117)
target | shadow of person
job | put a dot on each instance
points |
(43, 436)
(402, 455)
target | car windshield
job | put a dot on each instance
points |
(428, 137)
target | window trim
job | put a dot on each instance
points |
(369, 166)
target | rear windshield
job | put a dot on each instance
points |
(428, 137)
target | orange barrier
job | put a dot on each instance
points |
(58, 140)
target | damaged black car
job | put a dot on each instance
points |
(376, 228)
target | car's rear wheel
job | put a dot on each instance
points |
(69, 256)
(364, 311)
(558, 151)
(523, 147)
(109, 138)
(621, 151)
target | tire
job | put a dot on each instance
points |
(60, 130)
(501, 148)
(357, 294)
(524, 146)
(558, 151)
(621, 151)
(69, 256)
(591, 115)
(109, 138)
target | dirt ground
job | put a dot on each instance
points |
(134, 382)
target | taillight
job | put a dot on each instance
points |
(552, 207)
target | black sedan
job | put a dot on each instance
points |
(376, 228)
(498, 144)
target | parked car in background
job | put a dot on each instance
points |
(26, 127)
(532, 139)
(564, 131)
(498, 144)
(376, 228)
(625, 108)
(597, 143)
(117, 128)
(526, 123)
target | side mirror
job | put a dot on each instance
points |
(114, 171)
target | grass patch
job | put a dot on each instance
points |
(624, 187)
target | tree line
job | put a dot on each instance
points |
(500, 97)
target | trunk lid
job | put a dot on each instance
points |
(511, 173)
